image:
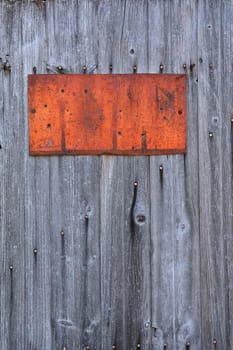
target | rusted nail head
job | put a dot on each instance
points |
(62, 233)
(11, 267)
(84, 68)
(86, 216)
(35, 251)
(184, 65)
(215, 341)
(114, 347)
(135, 183)
(210, 134)
(188, 344)
(161, 67)
(161, 168)
(192, 65)
(87, 347)
(135, 68)
(60, 68)
(165, 345)
(138, 346)
(232, 119)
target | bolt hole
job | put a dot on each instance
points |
(161, 109)
(180, 111)
(141, 218)
(62, 90)
(119, 132)
(86, 91)
(48, 125)
(0, 146)
(45, 106)
(132, 51)
(33, 111)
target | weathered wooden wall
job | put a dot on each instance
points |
(111, 280)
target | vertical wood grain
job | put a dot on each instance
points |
(185, 183)
(227, 163)
(137, 215)
(37, 194)
(13, 184)
(162, 242)
(112, 205)
(211, 126)
(175, 235)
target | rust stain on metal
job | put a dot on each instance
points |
(124, 114)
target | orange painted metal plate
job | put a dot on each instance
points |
(131, 114)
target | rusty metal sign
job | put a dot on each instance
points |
(124, 114)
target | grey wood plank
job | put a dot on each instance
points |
(162, 241)
(110, 21)
(175, 255)
(4, 266)
(37, 193)
(13, 190)
(162, 254)
(137, 233)
(227, 163)
(112, 253)
(210, 92)
(137, 254)
(185, 183)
